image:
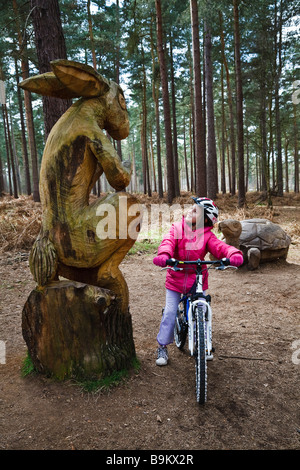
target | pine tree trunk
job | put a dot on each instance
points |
(144, 167)
(50, 45)
(14, 156)
(296, 156)
(22, 41)
(117, 77)
(10, 186)
(152, 159)
(230, 104)
(185, 157)
(32, 146)
(155, 96)
(1, 178)
(287, 189)
(212, 170)
(191, 154)
(175, 146)
(191, 120)
(23, 136)
(91, 34)
(166, 103)
(158, 149)
(277, 99)
(239, 107)
(10, 155)
(144, 134)
(200, 158)
(223, 174)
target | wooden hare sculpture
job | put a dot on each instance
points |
(76, 153)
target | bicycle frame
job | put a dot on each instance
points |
(191, 302)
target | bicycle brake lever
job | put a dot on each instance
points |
(222, 268)
(173, 268)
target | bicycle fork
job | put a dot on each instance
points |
(207, 324)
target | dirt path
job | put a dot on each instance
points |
(253, 381)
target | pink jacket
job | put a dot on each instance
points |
(186, 245)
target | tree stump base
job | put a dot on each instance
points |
(77, 330)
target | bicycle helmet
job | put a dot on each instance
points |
(210, 209)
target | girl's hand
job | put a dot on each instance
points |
(160, 260)
(236, 260)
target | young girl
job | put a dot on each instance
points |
(188, 240)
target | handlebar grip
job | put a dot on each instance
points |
(171, 262)
(226, 261)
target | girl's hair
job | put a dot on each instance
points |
(208, 222)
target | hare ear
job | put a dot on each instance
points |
(79, 78)
(47, 84)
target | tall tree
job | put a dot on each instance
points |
(144, 139)
(91, 33)
(296, 155)
(175, 135)
(232, 181)
(155, 95)
(278, 70)
(10, 155)
(200, 159)
(166, 102)
(23, 134)
(239, 105)
(23, 53)
(212, 168)
(50, 45)
(118, 33)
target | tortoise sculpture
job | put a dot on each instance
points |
(260, 240)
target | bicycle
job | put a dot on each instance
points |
(194, 319)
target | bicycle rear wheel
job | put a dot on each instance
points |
(200, 355)
(180, 328)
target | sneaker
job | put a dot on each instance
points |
(162, 356)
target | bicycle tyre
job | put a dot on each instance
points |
(180, 328)
(200, 356)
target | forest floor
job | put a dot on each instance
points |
(253, 380)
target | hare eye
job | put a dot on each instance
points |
(122, 101)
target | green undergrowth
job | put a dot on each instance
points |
(106, 383)
(28, 367)
(145, 246)
(103, 384)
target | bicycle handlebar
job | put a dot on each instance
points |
(174, 262)
(223, 263)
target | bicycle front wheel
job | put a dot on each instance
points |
(180, 329)
(200, 355)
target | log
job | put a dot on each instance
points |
(76, 330)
